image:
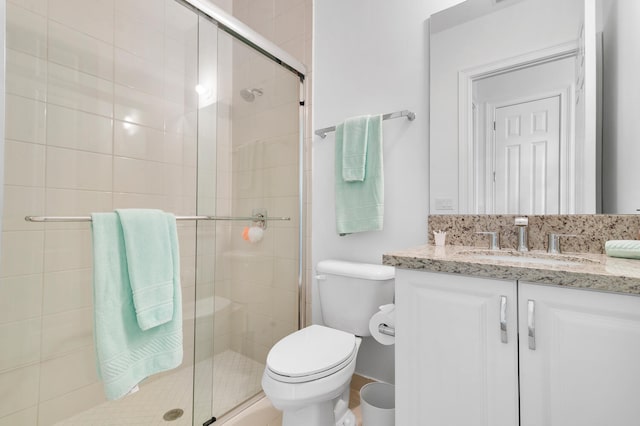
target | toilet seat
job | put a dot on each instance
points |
(310, 354)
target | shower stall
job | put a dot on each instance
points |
(179, 107)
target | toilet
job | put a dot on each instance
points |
(308, 372)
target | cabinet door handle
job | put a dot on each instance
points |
(503, 319)
(531, 323)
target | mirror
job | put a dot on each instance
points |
(523, 118)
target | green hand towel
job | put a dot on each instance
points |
(354, 148)
(125, 353)
(629, 249)
(360, 205)
(148, 250)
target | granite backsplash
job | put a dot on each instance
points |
(591, 231)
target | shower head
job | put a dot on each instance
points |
(249, 95)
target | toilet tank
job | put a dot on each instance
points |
(351, 292)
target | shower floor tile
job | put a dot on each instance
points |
(236, 378)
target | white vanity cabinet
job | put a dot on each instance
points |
(454, 363)
(585, 368)
(576, 362)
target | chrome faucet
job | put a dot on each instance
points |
(554, 242)
(494, 239)
(522, 223)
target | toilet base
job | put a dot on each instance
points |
(317, 415)
(327, 413)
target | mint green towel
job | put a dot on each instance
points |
(354, 148)
(360, 205)
(126, 354)
(629, 249)
(149, 252)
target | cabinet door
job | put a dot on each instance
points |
(452, 366)
(584, 366)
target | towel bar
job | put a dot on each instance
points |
(398, 114)
(255, 218)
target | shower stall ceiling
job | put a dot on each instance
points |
(137, 104)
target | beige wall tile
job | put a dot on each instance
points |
(74, 202)
(75, 89)
(67, 290)
(20, 201)
(37, 6)
(18, 389)
(138, 107)
(138, 176)
(65, 406)
(20, 298)
(22, 253)
(139, 73)
(72, 169)
(74, 129)
(290, 24)
(140, 142)
(26, 31)
(25, 343)
(59, 376)
(25, 119)
(25, 417)
(26, 75)
(141, 35)
(24, 164)
(77, 50)
(92, 17)
(66, 249)
(66, 332)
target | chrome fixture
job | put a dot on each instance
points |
(385, 329)
(503, 320)
(522, 223)
(494, 239)
(531, 324)
(249, 95)
(398, 114)
(554, 242)
(260, 218)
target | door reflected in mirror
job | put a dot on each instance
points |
(517, 107)
(523, 127)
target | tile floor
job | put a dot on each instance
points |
(236, 377)
(262, 413)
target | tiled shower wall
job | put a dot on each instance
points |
(100, 115)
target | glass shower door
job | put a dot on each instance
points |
(248, 162)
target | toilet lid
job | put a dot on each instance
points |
(310, 351)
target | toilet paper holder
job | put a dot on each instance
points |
(385, 329)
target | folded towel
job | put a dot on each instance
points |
(354, 148)
(149, 261)
(629, 249)
(360, 205)
(126, 354)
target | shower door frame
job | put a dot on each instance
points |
(261, 45)
(245, 34)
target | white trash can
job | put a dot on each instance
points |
(377, 402)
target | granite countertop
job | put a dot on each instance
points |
(579, 270)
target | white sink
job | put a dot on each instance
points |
(527, 257)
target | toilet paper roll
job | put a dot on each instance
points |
(386, 315)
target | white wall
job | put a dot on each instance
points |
(621, 126)
(522, 28)
(371, 56)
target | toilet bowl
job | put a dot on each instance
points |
(308, 375)
(308, 372)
